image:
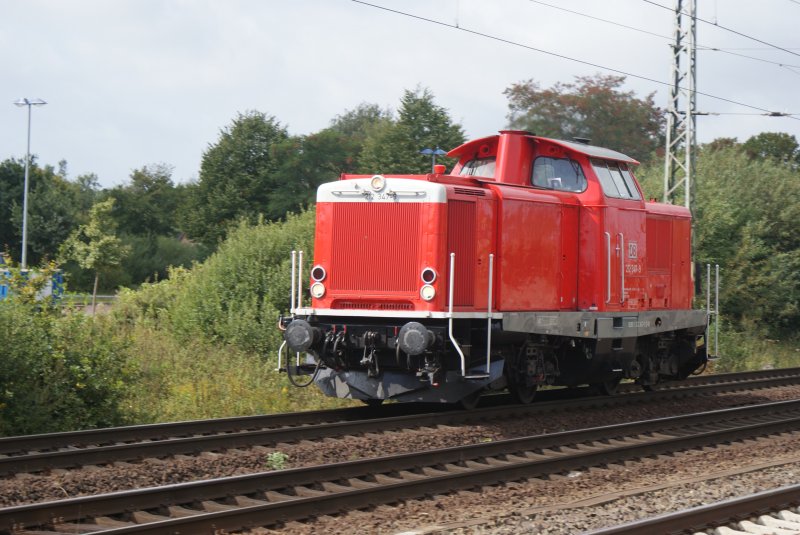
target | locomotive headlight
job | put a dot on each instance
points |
(318, 273)
(377, 182)
(428, 275)
(317, 290)
(427, 292)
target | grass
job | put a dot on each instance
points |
(200, 379)
(745, 351)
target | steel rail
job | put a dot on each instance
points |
(273, 497)
(92, 437)
(110, 435)
(706, 517)
(718, 378)
(226, 437)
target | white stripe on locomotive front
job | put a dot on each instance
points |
(396, 190)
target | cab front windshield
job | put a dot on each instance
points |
(483, 167)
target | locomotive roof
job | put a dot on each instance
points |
(589, 150)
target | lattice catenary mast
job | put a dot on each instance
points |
(681, 132)
(682, 135)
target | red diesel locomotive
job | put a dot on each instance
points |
(535, 262)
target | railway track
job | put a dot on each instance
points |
(36, 453)
(270, 498)
(772, 511)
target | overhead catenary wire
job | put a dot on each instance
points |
(667, 37)
(773, 114)
(615, 23)
(461, 28)
(731, 30)
(757, 48)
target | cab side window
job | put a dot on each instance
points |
(615, 179)
(558, 173)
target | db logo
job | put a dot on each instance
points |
(633, 251)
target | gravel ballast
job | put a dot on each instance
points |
(498, 509)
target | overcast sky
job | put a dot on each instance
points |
(137, 82)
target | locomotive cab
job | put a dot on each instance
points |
(534, 262)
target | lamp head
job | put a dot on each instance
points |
(29, 102)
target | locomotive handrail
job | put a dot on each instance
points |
(621, 237)
(489, 316)
(294, 273)
(300, 280)
(488, 319)
(414, 193)
(608, 267)
(450, 316)
(297, 285)
(292, 310)
(299, 299)
(390, 193)
(712, 312)
(280, 356)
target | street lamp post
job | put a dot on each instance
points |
(433, 153)
(29, 103)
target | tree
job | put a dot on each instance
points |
(95, 245)
(593, 107)
(147, 205)
(12, 173)
(721, 143)
(237, 175)
(358, 123)
(393, 147)
(747, 220)
(51, 216)
(305, 162)
(777, 145)
(55, 207)
(355, 127)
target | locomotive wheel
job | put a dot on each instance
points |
(527, 367)
(523, 394)
(649, 378)
(607, 388)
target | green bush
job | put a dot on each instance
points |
(152, 301)
(236, 295)
(206, 339)
(59, 370)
